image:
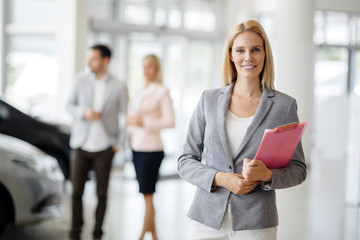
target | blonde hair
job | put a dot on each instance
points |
(229, 73)
(156, 62)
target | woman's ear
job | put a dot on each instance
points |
(230, 54)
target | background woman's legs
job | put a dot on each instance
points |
(147, 166)
(149, 217)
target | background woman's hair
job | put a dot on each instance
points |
(229, 73)
(156, 62)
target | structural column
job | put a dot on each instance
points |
(236, 11)
(2, 45)
(352, 197)
(295, 62)
(71, 37)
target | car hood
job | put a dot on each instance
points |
(15, 145)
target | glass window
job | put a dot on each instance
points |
(31, 73)
(118, 60)
(337, 73)
(199, 20)
(32, 43)
(31, 12)
(160, 17)
(138, 14)
(138, 48)
(331, 72)
(201, 55)
(357, 73)
(319, 21)
(175, 78)
(330, 96)
(337, 29)
(200, 15)
(168, 13)
(189, 70)
(102, 38)
(187, 64)
(169, 16)
(174, 68)
(175, 18)
(358, 30)
(117, 44)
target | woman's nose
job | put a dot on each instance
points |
(248, 56)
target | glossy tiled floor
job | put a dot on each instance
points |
(314, 210)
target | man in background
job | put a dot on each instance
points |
(96, 102)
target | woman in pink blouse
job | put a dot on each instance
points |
(150, 111)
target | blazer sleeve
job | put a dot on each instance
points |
(73, 106)
(167, 119)
(190, 167)
(295, 173)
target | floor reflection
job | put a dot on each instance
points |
(314, 210)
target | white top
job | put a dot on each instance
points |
(97, 139)
(235, 129)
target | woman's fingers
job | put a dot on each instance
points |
(236, 183)
(255, 170)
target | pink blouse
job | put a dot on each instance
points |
(154, 105)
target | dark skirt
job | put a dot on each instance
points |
(147, 166)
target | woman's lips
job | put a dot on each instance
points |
(248, 67)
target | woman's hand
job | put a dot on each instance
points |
(255, 170)
(134, 120)
(234, 182)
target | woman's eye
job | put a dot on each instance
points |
(240, 51)
(256, 50)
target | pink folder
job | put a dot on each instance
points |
(279, 144)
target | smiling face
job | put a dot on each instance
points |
(248, 55)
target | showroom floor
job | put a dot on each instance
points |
(314, 210)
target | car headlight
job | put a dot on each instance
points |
(29, 164)
(45, 165)
(51, 168)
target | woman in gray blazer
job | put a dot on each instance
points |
(235, 196)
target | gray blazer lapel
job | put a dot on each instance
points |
(89, 91)
(223, 105)
(264, 107)
(108, 89)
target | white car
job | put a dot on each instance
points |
(31, 184)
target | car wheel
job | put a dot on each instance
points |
(4, 216)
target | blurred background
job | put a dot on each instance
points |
(316, 47)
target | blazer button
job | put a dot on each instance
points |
(230, 167)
